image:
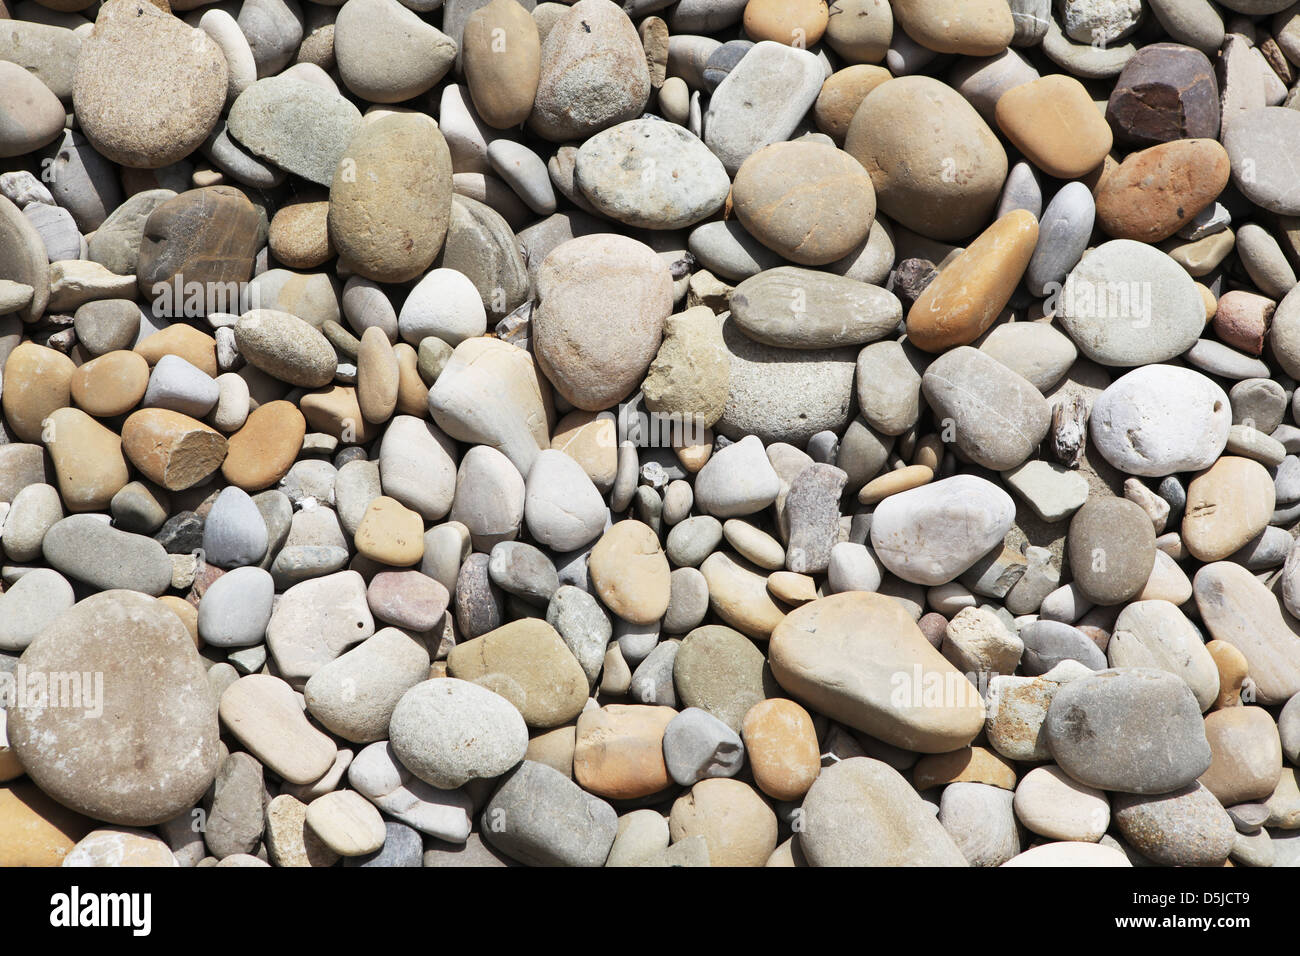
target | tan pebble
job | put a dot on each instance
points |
(842, 94)
(112, 384)
(781, 743)
(346, 822)
(797, 23)
(88, 462)
(289, 840)
(501, 48)
(736, 823)
(187, 612)
(555, 747)
(37, 380)
(264, 714)
(792, 587)
(695, 454)
(1245, 755)
(377, 376)
(1053, 121)
(412, 393)
(929, 452)
(969, 293)
(590, 439)
(1233, 669)
(197, 348)
(299, 235)
(335, 410)
(972, 27)
(265, 448)
(34, 829)
(967, 765)
(390, 533)
(738, 595)
(892, 482)
(619, 751)
(1227, 505)
(629, 571)
(120, 847)
(171, 449)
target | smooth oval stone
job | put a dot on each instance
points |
(594, 367)
(719, 670)
(1187, 827)
(651, 174)
(501, 49)
(557, 823)
(998, 417)
(1161, 419)
(90, 550)
(931, 534)
(31, 605)
(693, 540)
(389, 222)
(31, 117)
(299, 126)
(263, 713)
(1048, 643)
(888, 388)
(315, 621)
(354, 695)
(785, 394)
(796, 308)
(1049, 803)
(1070, 853)
(1158, 190)
(1258, 143)
(121, 770)
(630, 572)
(863, 812)
(1238, 610)
(1157, 634)
(860, 659)
(727, 250)
(1063, 234)
(148, 88)
(1053, 121)
(528, 664)
(972, 289)
(286, 347)
(1128, 304)
(448, 732)
(937, 167)
(1036, 351)
(811, 203)
(236, 608)
(761, 101)
(386, 53)
(562, 507)
(1134, 730)
(593, 73)
(1112, 549)
(1227, 505)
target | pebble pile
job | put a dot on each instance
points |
(697, 433)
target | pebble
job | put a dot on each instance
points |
(795, 308)
(998, 416)
(761, 101)
(553, 821)
(300, 127)
(912, 188)
(1111, 548)
(526, 662)
(931, 534)
(819, 654)
(1132, 730)
(70, 756)
(1161, 419)
(448, 731)
(1051, 804)
(629, 572)
(862, 812)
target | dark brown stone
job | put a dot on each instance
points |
(207, 236)
(1166, 91)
